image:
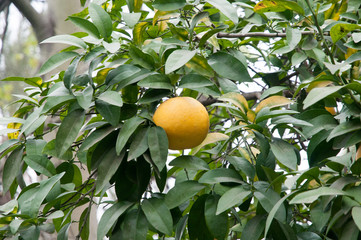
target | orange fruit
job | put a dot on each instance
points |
(185, 120)
(358, 152)
(331, 110)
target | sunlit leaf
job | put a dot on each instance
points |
(237, 99)
(272, 102)
(226, 8)
(340, 30)
(211, 138)
(177, 59)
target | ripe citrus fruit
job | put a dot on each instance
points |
(331, 110)
(185, 120)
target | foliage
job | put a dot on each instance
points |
(244, 181)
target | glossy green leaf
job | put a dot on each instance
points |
(111, 97)
(55, 61)
(268, 198)
(105, 173)
(121, 73)
(318, 94)
(242, 164)
(194, 81)
(159, 81)
(312, 195)
(220, 175)
(182, 192)
(85, 97)
(141, 58)
(181, 226)
(197, 226)
(285, 153)
(158, 215)
(234, 196)
(229, 67)
(254, 228)
(178, 59)
(217, 223)
(169, 5)
(86, 25)
(356, 215)
(63, 233)
(189, 162)
(139, 144)
(101, 20)
(66, 39)
(70, 72)
(226, 8)
(343, 128)
(109, 218)
(126, 131)
(12, 168)
(40, 164)
(68, 131)
(134, 225)
(158, 146)
(31, 200)
(95, 137)
(131, 18)
(109, 112)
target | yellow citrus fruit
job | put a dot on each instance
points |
(185, 120)
(358, 152)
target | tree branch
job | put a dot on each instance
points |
(259, 34)
(43, 28)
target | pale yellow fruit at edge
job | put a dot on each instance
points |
(185, 120)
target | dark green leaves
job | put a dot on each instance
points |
(101, 20)
(229, 67)
(12, 168)
(158, 215)
(55, 61)
(126, 131)
(169, 5)
(68, 131)
(109, 218)
(158, 146)
(182, 192)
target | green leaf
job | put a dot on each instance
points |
(209, 34)
(199, 16)
(66, 39)
(181, 226)
(83, 226)
(343, 128)
(111, 113)
(139, 144)
(285, 153)
(31, 200)
(312, 195)
(8, 207)
(220, 175)
(63, 232)
(189, 163)
(126, 131)
(159, 81)
(121, 73)
(40, 164)
(55, 61)
(229, 67)
(110, 217)
(340, 30)
(356, 215)
(111, 97)
(95, 137)
(216, 223)
(85, 97)
(158, 146)
(268, 198)
(131, 18)
(193, 81)
(101, 20)
(169, 5)
(243, 165)
(182, 192)
(197, 226)
(317, 94)
(158, 215)
(177, 59)
(254, 228)
(139, 57)
(134, 225)
(70, 72)
(68, 131)
(234, 196)
(105, 172)
(226, 8)
(12, 168)
(86, 25)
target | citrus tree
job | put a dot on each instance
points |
(279, 80)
